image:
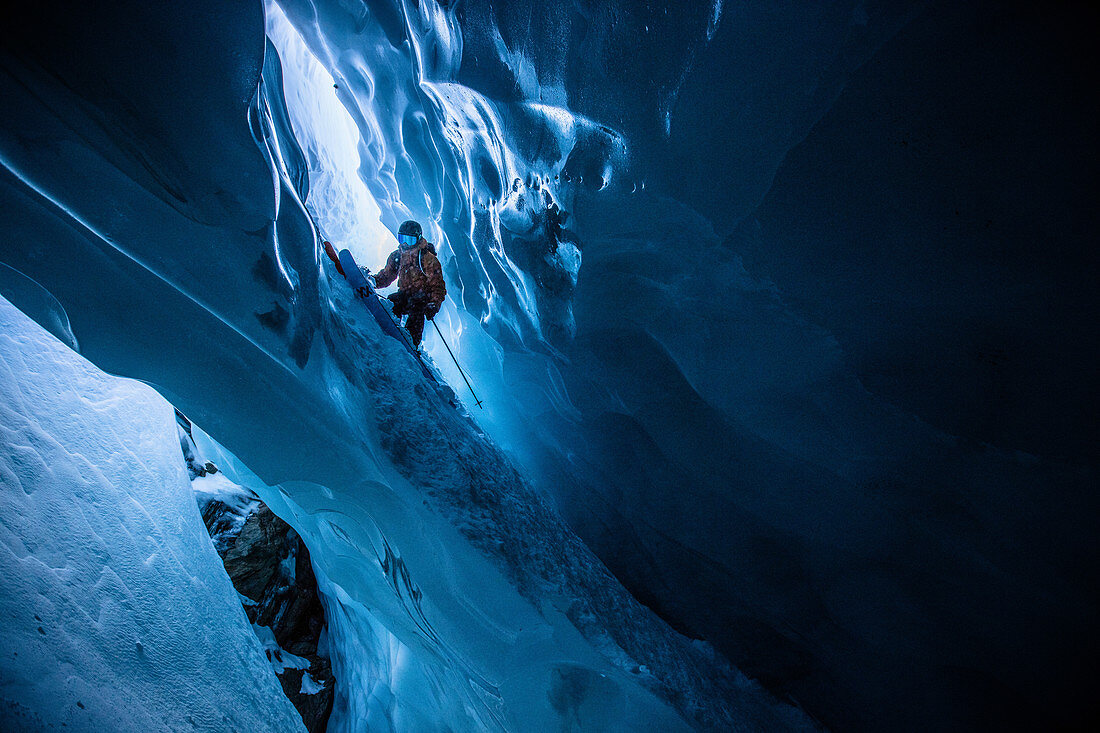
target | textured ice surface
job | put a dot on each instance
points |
(826, 527)
(116, 611)
(457, 597)
(833, 411)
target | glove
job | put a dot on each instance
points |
(431, 310)
(399, 301)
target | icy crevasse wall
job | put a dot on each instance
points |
(841, 540)
(468, 120)
(148, 182)
(117, 612)
(852, 523)
(484, 184)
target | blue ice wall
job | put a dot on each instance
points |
(150, 185)
(786, 308)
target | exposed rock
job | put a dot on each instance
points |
(271, 569)
(269, 565)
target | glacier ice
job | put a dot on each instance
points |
(117, 612)
(653, 356)
(444, 569)
(687, 399)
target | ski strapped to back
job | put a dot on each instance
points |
(382, 315)
(346, 266)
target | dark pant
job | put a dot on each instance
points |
(413, 305)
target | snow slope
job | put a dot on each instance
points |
(116, 612)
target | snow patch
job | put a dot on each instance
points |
(281, 660)
(310, 686)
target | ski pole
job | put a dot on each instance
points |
(467, 381)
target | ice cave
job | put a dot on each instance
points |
(762, 396)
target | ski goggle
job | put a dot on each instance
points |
(406, 239)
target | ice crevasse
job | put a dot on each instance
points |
(169, 242)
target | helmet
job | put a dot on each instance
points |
(412, 228)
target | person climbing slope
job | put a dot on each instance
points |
(420, 286)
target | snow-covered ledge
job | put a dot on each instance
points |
(116, 611)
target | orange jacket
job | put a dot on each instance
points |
(417, 270)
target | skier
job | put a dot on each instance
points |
(419, 276)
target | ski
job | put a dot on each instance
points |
(346, 266)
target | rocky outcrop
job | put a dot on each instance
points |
(271, 569)
(270, 566)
